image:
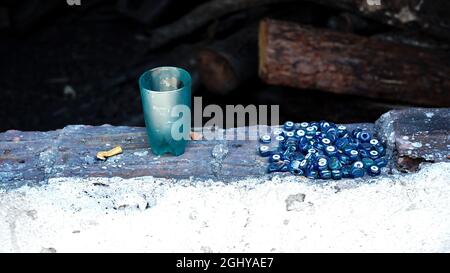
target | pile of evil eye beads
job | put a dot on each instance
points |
(322, 150)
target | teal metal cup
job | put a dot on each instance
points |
(166, 101)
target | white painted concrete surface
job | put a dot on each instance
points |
(399, 213)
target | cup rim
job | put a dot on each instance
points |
(183, 71)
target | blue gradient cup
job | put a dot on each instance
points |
(166, 101)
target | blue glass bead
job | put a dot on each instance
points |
(363, 153)
(336, 174)
(357, 169)
(288, 126)
(374, 142)
(318, 146)
(285, 166)
(341, 130)
(297, 126)
(303, 144)
(355, 142)
(365, 146)
(326, 141)
(334, 163)
(374, 154)
(341, 143)
(311, 131)
(314, 124)
(294, 167)
(305, 164)
(274, 167)
(346, 172)
(311, 173)
(275, 158)
(277, 132)
(381, 162)
(325, 174)
(265, 139)
(280, 140)
(364, 136)
(322, 164)
(298, 156)
(367, 162)
(324, 126)
(300, 133)
(330, 150)
(344, 159)
(289, 153)
(380, 149)
(289, 134)
(356, 132)
(266, 151)
(354, 155)
(303, 125)
(374, 171)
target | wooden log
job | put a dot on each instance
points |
(304, 57)
(430, 16)
(226, 64)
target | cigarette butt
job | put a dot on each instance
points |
(103, 155)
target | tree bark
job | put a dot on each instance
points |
(303, 57)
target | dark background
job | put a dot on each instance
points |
(62, 64)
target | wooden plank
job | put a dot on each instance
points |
(70, 152)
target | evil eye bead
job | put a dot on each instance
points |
(303, 144)
(381, 162)
(324, 126)
(341, 143)
(367, 162)
(330, 150)
(304, 164)
(336, 174)
(312, 174)
(289, 134)
(265, 150)
(285, 166)
(298, 156)
(357, 169)
(322, 164)
(364, 137)
(274, 167)
(380, 149)
(311, 131)
(365, 146)
(326, 141)
(280, 139)
(274, 158)
(363, 153)
(294, 167)
(300, 133)
(374, 170)
(304, 125)
(277, 132)
(356, 132)
(344, 159)
(288, 126)
(325, 174)
(354, 155)
(334, 163)
(374, 154)
(297, 126)
(346, 172)
(374, 142)
(265, 139)
(342, 130)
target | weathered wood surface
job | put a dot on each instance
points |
(32, 157)
(303, 57)
(416, 135)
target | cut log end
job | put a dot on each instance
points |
(216, 73)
